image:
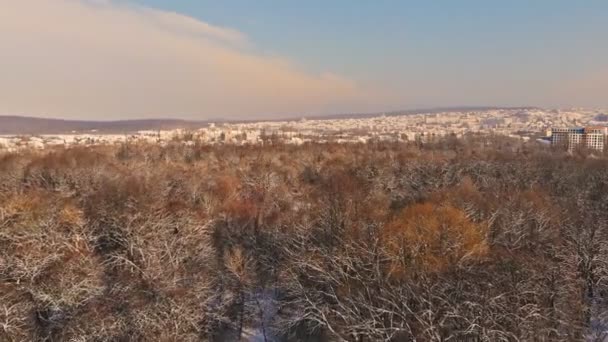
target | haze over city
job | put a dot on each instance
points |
(104, 59)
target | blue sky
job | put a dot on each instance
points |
(401, 42)
(262, 58)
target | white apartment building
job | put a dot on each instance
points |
(592, 137)
(595, 137)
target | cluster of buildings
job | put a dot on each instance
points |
(589, 137)
(522, 123)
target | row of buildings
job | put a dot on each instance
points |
(590, 137)
(522, 123)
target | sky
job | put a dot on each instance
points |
(243, 59)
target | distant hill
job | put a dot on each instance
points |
(31, 125)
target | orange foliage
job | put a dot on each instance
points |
(226, 185)
(71, 215)
(22, 204)
(465, 192)
(431, 237)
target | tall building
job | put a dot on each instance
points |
(591, 137)
(566, 137)
(595, 136)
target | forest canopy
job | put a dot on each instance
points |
(481, 238)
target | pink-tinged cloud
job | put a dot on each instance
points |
(107, 60)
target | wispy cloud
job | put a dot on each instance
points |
(108, 59)
(182, 25)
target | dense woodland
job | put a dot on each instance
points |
(475, 239)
